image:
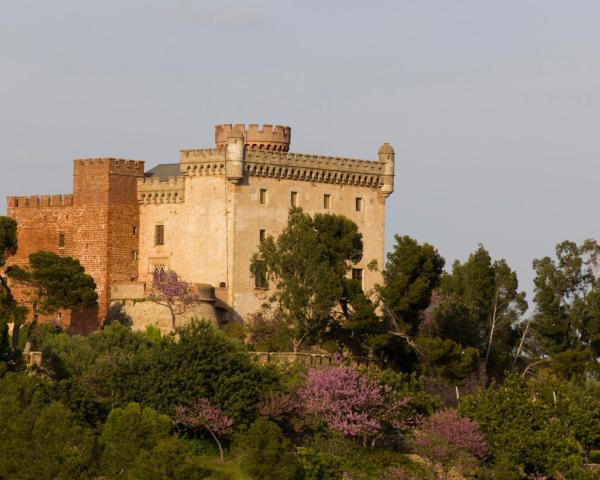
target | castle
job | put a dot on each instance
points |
(202, 217)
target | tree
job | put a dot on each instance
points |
(129, 431)
(567, 295)
(480, 306)
(52, 283)
(350, 402)
(307, 265)
(202, 415)
(532, 426)
(9, 310)
(411, 274)
(450, 442)
(267, 453)
(170, 291)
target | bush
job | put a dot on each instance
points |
(267, 453)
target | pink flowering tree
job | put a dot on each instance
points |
(351, 403)
(450, 441)
(170, 291)
(201, 415)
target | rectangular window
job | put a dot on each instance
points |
(61, 240)
(134, 230)
(264, 196)
(359, 204)
(260, 277)
(262, 235)
(294, 199)
(326, 201)
(159, 235)
(357, 275)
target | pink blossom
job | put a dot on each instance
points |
(346, 400)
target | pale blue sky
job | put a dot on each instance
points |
(492, 106)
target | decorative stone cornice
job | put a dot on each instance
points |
(153, 191)
(284, 165)
(314, 168)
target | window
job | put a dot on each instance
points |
(260, 277)
(263, 196)
(61, 240)
(359, 204)
(134, 230)
(262, 235)
(326, 201)
(134, 255)
(159, 235)
(357, 275)
(294, 199)
(16, 203)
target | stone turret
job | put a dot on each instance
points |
(386, 157)
(266, 137)
(235, 156)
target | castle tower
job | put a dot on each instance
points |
(386, 157)
(106, 222)
(268, 137)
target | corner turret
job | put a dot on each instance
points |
(386, 157)
(235, 156)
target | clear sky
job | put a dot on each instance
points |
(492, 106)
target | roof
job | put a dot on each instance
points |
(164, 171)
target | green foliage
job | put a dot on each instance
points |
(40, 438)
(307, 265)
(536, 427)
(567, 294)
(117, 314)
(480, 306)
(127, 433)
(8, 239)
(411, 273)
(269, 332)
(124, 366)
(267, 453)
(168, 460)
(56, 282)
(446, 359)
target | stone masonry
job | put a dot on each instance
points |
(202, 217)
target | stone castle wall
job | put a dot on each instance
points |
(210, 210)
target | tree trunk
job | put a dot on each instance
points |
(522, 342)
(218, 445)
(490, 339)
(29, 341)
(172, 317)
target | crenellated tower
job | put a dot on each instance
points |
(266, 137)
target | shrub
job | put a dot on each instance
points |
(267, 453)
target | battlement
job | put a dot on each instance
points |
(194, 155)
(153, 190)
(113, 166)
(266, 137)
(39, 201)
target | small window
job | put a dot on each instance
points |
(262, 235)
(16, 203)
(134, 230)
(134, 255)
(222, 285)
(294, 199)
(326, 201)
(159, 235)
(260, 278)
(359, 204)
(357, 275)
(263, 196)
(61, 240)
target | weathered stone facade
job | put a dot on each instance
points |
(204, 216)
